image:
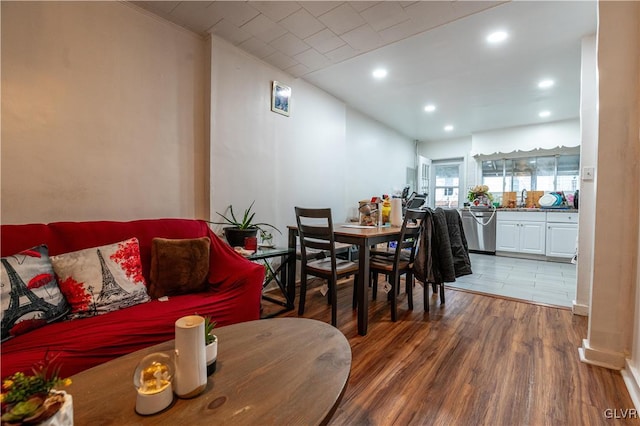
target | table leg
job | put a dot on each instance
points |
(363, 288)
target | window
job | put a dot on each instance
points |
(546, 173)
(568, 172)
(446, 181)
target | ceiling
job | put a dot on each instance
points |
(435, 52)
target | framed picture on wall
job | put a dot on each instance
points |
(280, 98)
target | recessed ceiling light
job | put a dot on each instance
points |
(430, 108)
(379, 73)
(497, 37)
(544, 114)
(448, 128)
(545, 84)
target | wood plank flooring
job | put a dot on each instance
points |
(476, 360)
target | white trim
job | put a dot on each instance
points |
(580, 309)
(611, 360)
(535, 152)
(631, 380)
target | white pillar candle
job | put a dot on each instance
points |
(191, 362)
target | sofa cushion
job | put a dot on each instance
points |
(29, 293)
(101, 279)
(178, 266)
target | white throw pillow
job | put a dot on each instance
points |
(29, 293)
(101, 279)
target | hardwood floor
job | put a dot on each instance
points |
(477, 360)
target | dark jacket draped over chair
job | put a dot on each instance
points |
(443, 254)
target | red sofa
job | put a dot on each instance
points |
(233, 296)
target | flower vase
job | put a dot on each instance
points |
(481, 200)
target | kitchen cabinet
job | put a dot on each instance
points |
(521, 232)
(562, 232)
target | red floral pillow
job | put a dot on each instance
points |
(29, 293)
(101, 279)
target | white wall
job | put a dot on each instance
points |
(588, 158)
(611, 313)
(446, 149)
(378, 158)
(310, 158)
(527, 138)
(103, 114)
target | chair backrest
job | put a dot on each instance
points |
(315, 228)
(410, 234)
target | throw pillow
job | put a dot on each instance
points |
(178, 266)
(29, 293)
(101, 279)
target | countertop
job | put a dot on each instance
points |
(522, 209)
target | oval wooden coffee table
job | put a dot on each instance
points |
(282, 371)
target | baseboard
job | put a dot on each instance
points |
(611, 360)
(580, 309)
(631, 380)
(521, 255)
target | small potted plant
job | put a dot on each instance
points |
(31, 399)
(480, 195)
(211, 345)
(266, 239)
(240, 229)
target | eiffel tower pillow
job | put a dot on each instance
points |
(101, 279)
(29, 293)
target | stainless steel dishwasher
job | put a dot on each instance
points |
(479, 224)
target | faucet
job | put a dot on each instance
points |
(524, 198)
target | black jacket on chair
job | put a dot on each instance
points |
(443, 253)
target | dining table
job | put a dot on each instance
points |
(363, 237)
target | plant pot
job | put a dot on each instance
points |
(212, 355)
(235, 236)
(64, 416)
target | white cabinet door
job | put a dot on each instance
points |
(520, 237)
(561, 239)
(507, 235)
(532, 237)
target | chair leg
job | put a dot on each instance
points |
(442, 293)
(394, 298)
(409, 288)
(355, 296)
(425, 295)
(334, 302)
(303, 293)
(374, 285)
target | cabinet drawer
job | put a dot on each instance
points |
(523, 216)
(553, 217)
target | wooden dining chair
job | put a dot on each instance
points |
(401, 262)
(342, 250)
(315, 228)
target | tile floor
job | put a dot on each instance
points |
(533, 280)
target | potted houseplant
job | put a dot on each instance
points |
(266, 238)
(31, 399)
(211, 345)
(241, 227)
(480, 195)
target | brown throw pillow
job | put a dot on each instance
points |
(178, 266)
